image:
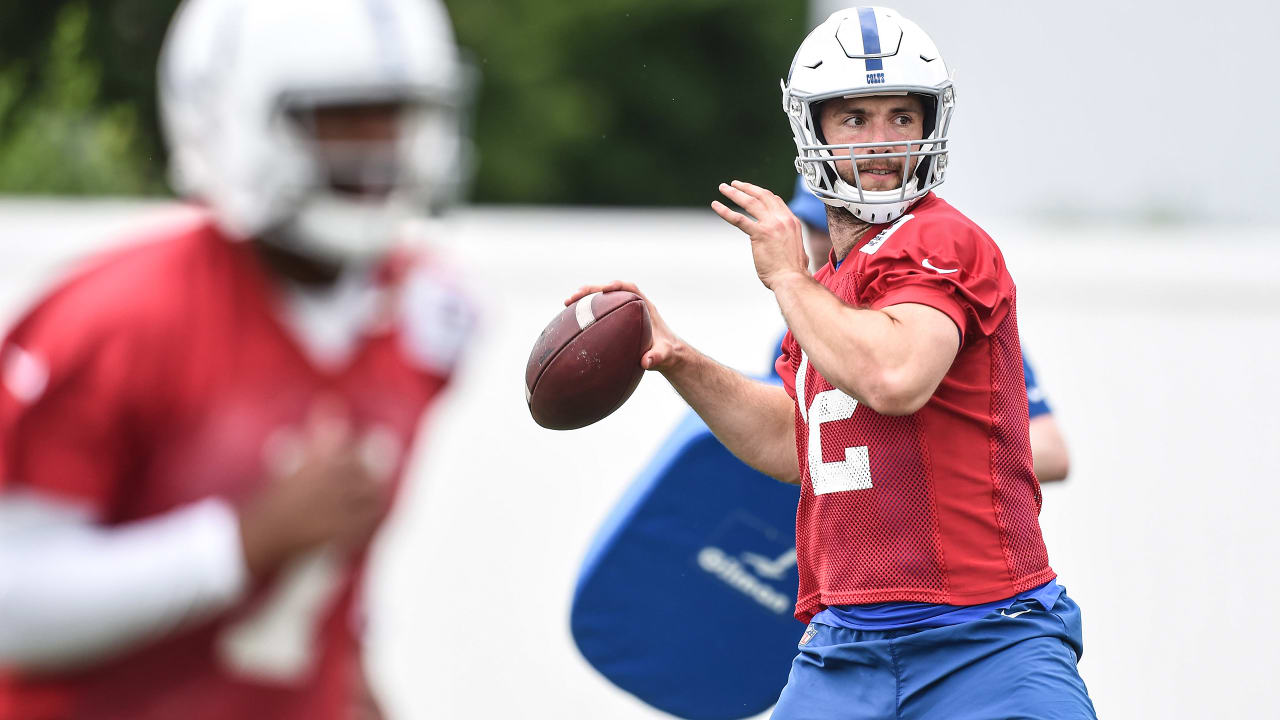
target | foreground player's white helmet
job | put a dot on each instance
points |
(868, 51)
(236, 75)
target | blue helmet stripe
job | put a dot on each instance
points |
(870, 38)
(391, 51)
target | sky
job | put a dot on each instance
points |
(1138, 111)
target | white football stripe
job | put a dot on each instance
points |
(582, 311)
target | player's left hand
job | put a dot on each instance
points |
(777, 240)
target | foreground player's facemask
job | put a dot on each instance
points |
(868, 51)
(247, 90)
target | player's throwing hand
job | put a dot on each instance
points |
(777, 241)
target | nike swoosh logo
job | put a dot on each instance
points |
(940, 271)
(1020, 612)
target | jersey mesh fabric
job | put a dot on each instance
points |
(886, 519)
(946, 510)
(1011, 461)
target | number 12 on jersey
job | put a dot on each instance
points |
(852, 473)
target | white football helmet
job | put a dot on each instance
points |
(233, 78)
(868, 51)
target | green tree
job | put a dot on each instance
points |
(61, 130)
(630, 102)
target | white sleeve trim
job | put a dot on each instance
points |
(72, 592)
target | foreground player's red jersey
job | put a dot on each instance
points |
(939, 506)
(162, 376)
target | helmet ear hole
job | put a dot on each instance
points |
(815, 114)
(828, 168)
(930, 105)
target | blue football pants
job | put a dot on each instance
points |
(1016, 663)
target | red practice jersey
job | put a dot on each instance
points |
(939, 506)
(162, 375)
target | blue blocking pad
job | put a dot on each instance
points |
(685, 598)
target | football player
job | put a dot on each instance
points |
(200, 432)
(903, 413)
(1049, 454)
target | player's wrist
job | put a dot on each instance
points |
(214, 528)
(787, 280)
(677, 360)
(265, 547)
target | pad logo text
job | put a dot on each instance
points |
(730, 571)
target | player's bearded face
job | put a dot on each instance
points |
(869, 119)
(356, 146)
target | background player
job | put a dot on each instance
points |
(1048, 448)
(904, 416)
(200, 433)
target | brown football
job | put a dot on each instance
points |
(586, 363)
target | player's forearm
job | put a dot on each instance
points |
(862, 352)
(1048, 450)
(754, 420)
(72, 593)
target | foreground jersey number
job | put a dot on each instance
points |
(852, 473)
(277, 642)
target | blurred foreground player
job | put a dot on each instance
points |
(1049, 454)
(201, 432)
(903, 416)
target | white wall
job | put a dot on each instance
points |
(1157, 347)
(1099, 108)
